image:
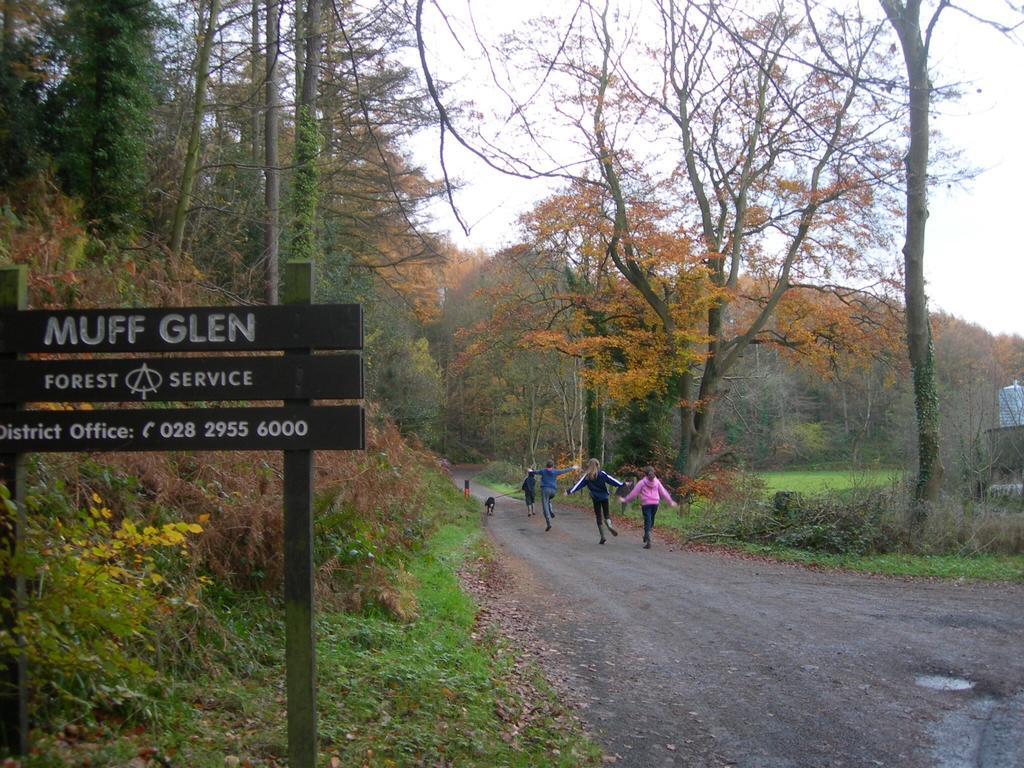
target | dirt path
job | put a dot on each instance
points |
(687, 658)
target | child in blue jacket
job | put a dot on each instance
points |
(549, 488)
(597, 481)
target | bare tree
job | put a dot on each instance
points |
(782, 158)
(188, 173)
(776, 137)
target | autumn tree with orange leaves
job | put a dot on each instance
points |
(577, 303)
(737, 171)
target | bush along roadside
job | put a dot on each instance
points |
(193, 675)
(866, 530)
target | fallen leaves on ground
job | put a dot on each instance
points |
(520, 702)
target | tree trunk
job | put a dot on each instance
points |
(254, 73)
(696, 416)
(532, 428)
(188, 174)
(306, 181)
(581, 418)
(272, 192)
(328, 66)
(906, 22)
(300, 53)
(595, 422)
(846, 410)
(310, 78)
(919, 336)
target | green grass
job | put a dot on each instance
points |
(510, 491)
(433, 690)
(195, 720)
(818, 481)
(979, 567)
(435, 687)
(954, 567)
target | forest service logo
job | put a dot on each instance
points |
(143, 381)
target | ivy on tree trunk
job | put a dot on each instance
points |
(905, 20)
(306, 186)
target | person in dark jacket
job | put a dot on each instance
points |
(549, 488)
(597, 481)
(529, 489)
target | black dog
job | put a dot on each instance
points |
(489, 505)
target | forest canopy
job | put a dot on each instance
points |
(713, 277)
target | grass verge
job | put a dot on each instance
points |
(434, 690)
(974, 568)
(428, 692)
(979, 567)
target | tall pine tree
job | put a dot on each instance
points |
(103, 109)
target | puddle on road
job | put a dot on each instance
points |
(943, 683)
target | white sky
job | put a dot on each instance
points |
(975, 253)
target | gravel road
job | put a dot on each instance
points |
(680, 657)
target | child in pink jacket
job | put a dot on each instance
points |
(651, 492)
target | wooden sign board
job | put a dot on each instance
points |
(334, 428)
(183, 329)
(297, 428)
(321, 377)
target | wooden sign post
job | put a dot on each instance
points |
(300, 643)
(298, 427)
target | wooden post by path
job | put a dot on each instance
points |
(13, 687)
(300, 640)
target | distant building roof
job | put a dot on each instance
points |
(1011, 406)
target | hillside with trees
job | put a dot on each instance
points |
(519, 390)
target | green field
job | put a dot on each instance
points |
(819, 481)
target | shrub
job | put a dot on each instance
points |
(862, 521)
(969, 529)
(102, 584)
(856, 522)
(117, 597)
(372, 508)
(720, 481)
